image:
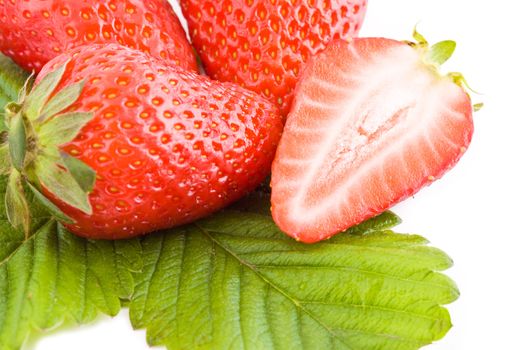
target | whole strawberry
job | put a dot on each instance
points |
(34, 32)
(263, 45)
(168, 146)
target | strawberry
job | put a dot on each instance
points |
(168, 146)
(34, 32)
(373, 121)
(263, 45)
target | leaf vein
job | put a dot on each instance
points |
(266, 280)
(367, 272)
(375, 307)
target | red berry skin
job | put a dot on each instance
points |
(263, 45)
(169, 146)
(34, 32)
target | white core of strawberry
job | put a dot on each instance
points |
(394, 103)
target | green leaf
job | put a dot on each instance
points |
(441, 52)
(383, 221)
(235, 281)
(62, 100)
(11, 238)
(83, 173)
(39, 96)
(5, 159)
(51, 208)
(3, 125)
(17, 209)
(17, 142)
(25, 90)
(12, 79)
(61, 183)
(63, 128)
(56, 277)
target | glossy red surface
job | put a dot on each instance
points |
(169, 146)
(263, 45)
(34, 32)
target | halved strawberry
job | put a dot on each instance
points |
(373, 121)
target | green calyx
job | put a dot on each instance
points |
(436, 55)
(34, 129)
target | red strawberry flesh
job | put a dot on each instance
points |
(370, 125)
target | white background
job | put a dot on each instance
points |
(475, 213)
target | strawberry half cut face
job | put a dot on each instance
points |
(373, 121)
